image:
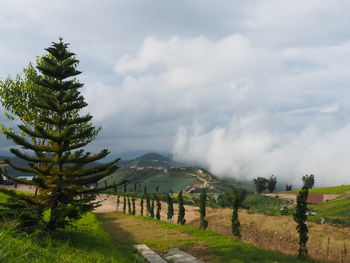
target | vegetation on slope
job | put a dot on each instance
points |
(264, 204)
(341, 189)
(335, 212)
(85, 241)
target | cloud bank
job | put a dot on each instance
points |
(246, 88)
(239, 109)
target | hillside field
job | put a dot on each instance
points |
(341, 189)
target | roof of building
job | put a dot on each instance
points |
(313, 198)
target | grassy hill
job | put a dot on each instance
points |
(335, 211)
(154, 171)
(325, 190)
(167, 180)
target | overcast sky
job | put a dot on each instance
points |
(245, 88)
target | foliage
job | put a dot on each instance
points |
(202, 203)
(53, 139)
(129, 206)
(341, 189)
(235, 220)
(86, 241)
(223, 248)
(300, 217)
(260, 184)
(225, 200)
(141, 204)
(124, 205)
(133, 212)
(148, 205)
(264, 204)
(288, 187)
(335, 212)
(159, 207)
(271, 184)
(181, 216)
(308, 180)
(170, 213)
(152, 207)
(118, 202)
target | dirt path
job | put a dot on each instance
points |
(130, 230)
(205, 182)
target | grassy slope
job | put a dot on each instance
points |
(335, 212)
(325, 190)
(86, 241)
(264, 204)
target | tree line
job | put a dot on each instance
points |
(269, 184)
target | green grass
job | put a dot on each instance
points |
(224, 248)
(264, 204)
(325, 190)
(86, 241)
(335, 212)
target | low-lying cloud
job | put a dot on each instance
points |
(239, 109)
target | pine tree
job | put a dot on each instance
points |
(124, 201)
(236, 202)
(159, 207)
(141, 204)
(129, 206)
(148, 205)
(202, 203)
(300, 217)
(58, 160)
(118, 202)
(152, 207)
(181, 216)
(133, 206)
(170, 213)
(124, 204)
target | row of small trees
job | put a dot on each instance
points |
(236, 200)
(150, 205)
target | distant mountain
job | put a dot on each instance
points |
(153, 170)
(16, 161)
(153, 157)
(151, 160)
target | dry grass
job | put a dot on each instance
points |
(130, 230)
(326, 243)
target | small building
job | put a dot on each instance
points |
(314, 198)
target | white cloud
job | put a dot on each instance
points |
(247, 147)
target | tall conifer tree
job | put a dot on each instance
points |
(300, 218)
(58, 161)
(181, 216)
(159, 207)
(141, 204)
(236, 202)
(202, 203)
(170, 213)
